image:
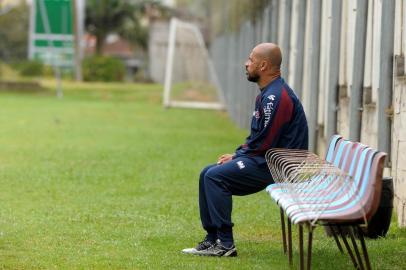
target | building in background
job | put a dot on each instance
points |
(117, 47)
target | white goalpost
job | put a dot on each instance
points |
(190, 78)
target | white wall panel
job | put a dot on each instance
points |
(376, 48)
(293, 41)
(399, 117)
(324, 58)
(368, 47)
(351, 15)
(306, 71)
(344, 44)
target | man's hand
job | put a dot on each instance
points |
(224, 158)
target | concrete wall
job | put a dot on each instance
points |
(158, 45)
(190, 58)
(399, 112)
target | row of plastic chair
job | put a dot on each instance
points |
(341, 190)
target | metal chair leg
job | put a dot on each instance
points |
(364, 249)
(283, 230)
(309, 248)
(301, 255)
(348, 248)
(290, 242)
(354, 244)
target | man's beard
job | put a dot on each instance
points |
(252, 77)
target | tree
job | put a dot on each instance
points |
(14, 33)
(116, 16)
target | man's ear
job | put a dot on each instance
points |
(264, 65)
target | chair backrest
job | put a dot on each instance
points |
(374, 187)
(365, 166)
(340, 153)
(332, 146)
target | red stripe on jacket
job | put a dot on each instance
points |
(283, 116)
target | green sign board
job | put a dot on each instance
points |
(51, 32)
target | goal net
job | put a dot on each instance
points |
(190, 78)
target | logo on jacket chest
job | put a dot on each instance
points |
(271, 97)
(240, 164)
(269, 107)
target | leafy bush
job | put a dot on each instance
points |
(31, 68)
(8, 72)
(48, 71)
(103, 68)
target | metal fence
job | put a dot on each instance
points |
(339, 57)
(324, 46)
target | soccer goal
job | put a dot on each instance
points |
(190, 78)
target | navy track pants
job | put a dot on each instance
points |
(240, 176)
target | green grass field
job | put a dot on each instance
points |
(105, 178)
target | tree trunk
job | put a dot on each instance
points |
(100, 37)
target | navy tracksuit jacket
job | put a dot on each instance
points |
(278, 121)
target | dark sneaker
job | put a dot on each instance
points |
(205, 244)
(218, 250)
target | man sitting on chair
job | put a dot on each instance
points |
(278, 121)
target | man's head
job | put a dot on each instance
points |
(263, 63)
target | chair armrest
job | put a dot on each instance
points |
(285, 163)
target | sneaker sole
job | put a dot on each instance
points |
(193, 251)
(230, 253)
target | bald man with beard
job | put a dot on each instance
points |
(278, 121)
